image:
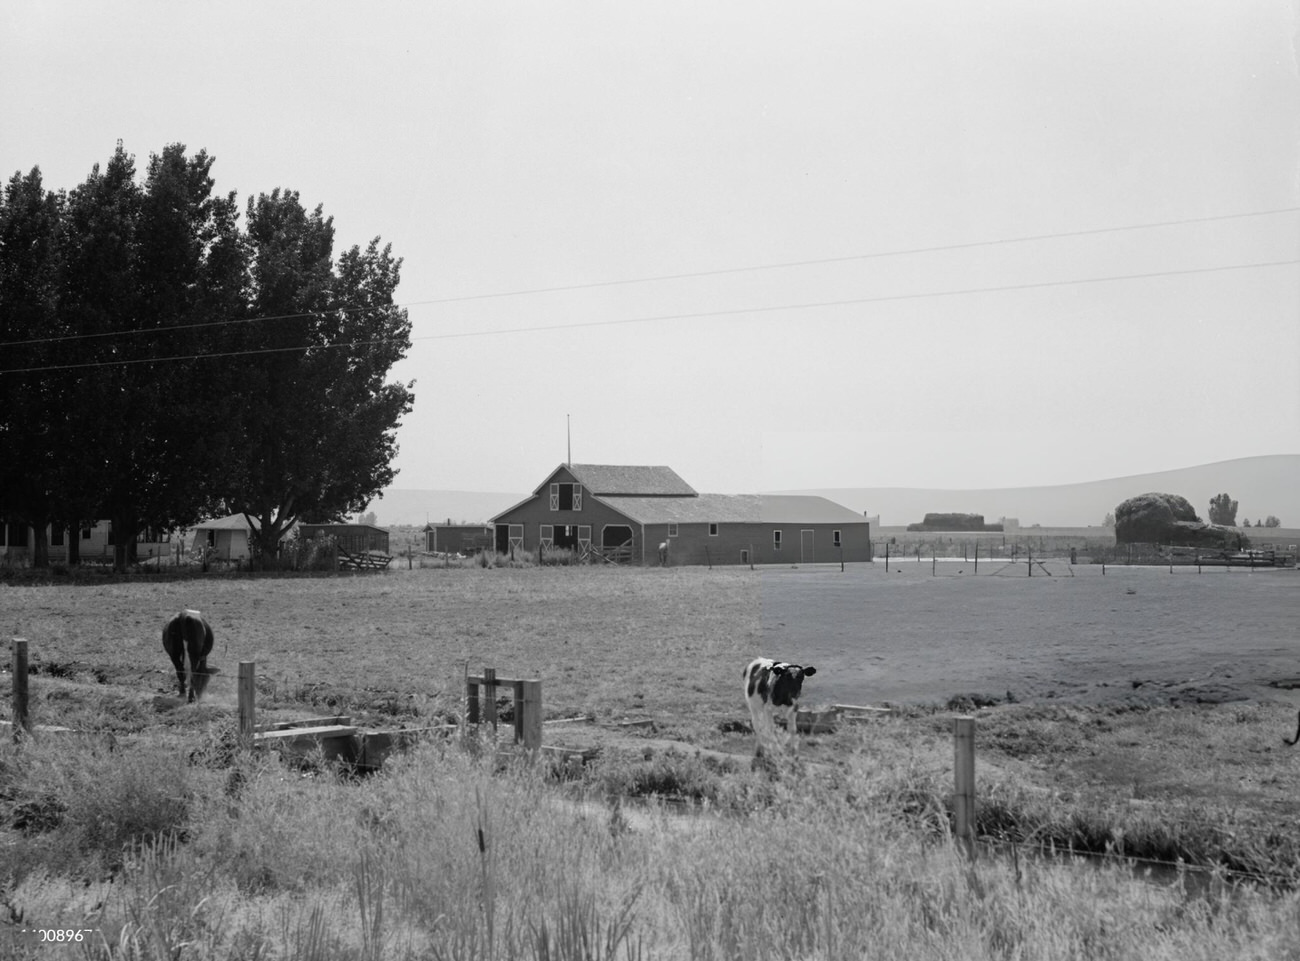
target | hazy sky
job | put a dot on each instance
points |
(842, 184)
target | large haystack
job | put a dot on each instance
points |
(1156, 518)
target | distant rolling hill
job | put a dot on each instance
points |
(399, 507)
(1261, 486)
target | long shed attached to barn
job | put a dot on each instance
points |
(625, 513)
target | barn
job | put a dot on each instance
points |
(623, 514)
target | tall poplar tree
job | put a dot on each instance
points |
(318, 416)
(32, 432)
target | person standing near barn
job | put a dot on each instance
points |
(663, 554)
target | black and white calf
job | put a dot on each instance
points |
(772, 691)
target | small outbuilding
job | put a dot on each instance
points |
(226, 538)
(353, 538)
(648, 515)
(452, 538)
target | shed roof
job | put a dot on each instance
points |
(629, 480)
(344, 527)
(734, 508)
(235, 522)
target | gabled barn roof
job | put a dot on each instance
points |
(628, 481)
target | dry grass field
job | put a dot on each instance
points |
(606, 642)
(168, 845)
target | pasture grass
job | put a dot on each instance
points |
(167, 842)
(447, 855)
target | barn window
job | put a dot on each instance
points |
(836, 536)
(566, 497)
(548, 536)
(85, 533)
(776, 540)
(672, 530)
(713, 530)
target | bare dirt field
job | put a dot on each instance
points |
(1137, 635)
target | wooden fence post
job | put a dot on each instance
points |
(886, 557)
(963, 799)
(490, 692)
(529, 724)
(247, 702)
(21, 718)
(977, 557)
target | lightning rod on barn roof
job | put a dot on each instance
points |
(568, 439)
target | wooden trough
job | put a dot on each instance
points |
(825, 720)
(338, 740)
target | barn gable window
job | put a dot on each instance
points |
(776, 540)
(713, 530)
(566, 497)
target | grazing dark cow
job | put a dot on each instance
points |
(772, 690)
(188, 633)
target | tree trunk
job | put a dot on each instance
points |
(40, 543)
(124, 525)
(74, 544)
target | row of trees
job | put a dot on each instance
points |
(161, 362)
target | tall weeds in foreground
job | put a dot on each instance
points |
(443, 856)
(78, 807)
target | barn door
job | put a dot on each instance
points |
(806, 554)
(584, 540)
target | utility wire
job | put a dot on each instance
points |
(663, 317)
(873, 256)
(682, 276)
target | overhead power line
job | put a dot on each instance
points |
(680, 276)
(851, 257)
(811, 305)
